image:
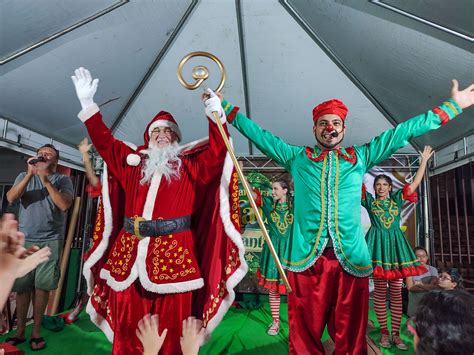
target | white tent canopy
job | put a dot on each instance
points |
(281, 59)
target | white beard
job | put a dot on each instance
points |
(165, 161)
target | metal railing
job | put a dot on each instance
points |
(452, 195)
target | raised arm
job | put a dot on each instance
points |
(212, 159)
(381, 147)
(84, 147)
(113, 151)
(270, 145)
(366, 198)
(424, 157)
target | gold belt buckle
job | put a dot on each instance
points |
(136, 226)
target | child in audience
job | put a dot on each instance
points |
(450, 279)
(444, 323)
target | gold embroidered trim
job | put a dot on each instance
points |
(336, 207)
(451, 106)
(321, 224)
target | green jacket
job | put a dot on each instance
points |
(327, 186)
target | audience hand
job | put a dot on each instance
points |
(148, 334)
(31, 261)
(193, 336)
(15, 260)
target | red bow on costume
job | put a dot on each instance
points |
(348, 156)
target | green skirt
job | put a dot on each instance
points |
(268, 274)
(392, 255)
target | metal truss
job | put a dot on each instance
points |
(399, 161)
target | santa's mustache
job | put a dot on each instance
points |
(162, 160)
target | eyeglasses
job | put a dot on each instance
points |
(445, 278)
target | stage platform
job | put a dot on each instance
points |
(243, 331)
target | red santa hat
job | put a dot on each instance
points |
(162, 119)
(333, 106)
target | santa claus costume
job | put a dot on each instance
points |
(170, 247)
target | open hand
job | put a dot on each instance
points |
(85, 87)
(147, 332)
(193, 336)
(464, 98)
(14, 258)
(426, 153)
(31, 261)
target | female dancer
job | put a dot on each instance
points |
(94, 190)
(279, 214)
(392, 256)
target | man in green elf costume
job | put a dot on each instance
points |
(328, 261)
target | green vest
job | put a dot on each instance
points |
(327, 186)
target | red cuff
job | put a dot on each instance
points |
(94, 191)
(364, 190)
(91, 120)
(443, 115)
(258, 200)
(231, 115)
(409, 197)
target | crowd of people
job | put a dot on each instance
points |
(167, 233)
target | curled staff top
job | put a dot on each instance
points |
(200, 73)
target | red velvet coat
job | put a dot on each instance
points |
(208, 258)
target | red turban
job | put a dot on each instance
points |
(333, 106)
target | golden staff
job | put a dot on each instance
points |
(200, 73)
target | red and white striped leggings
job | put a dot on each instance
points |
(274, 298)
(380, 301)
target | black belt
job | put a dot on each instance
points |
(158, 227)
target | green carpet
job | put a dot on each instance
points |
(241, 332)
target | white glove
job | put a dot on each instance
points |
(85, 87)
(213, 104)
